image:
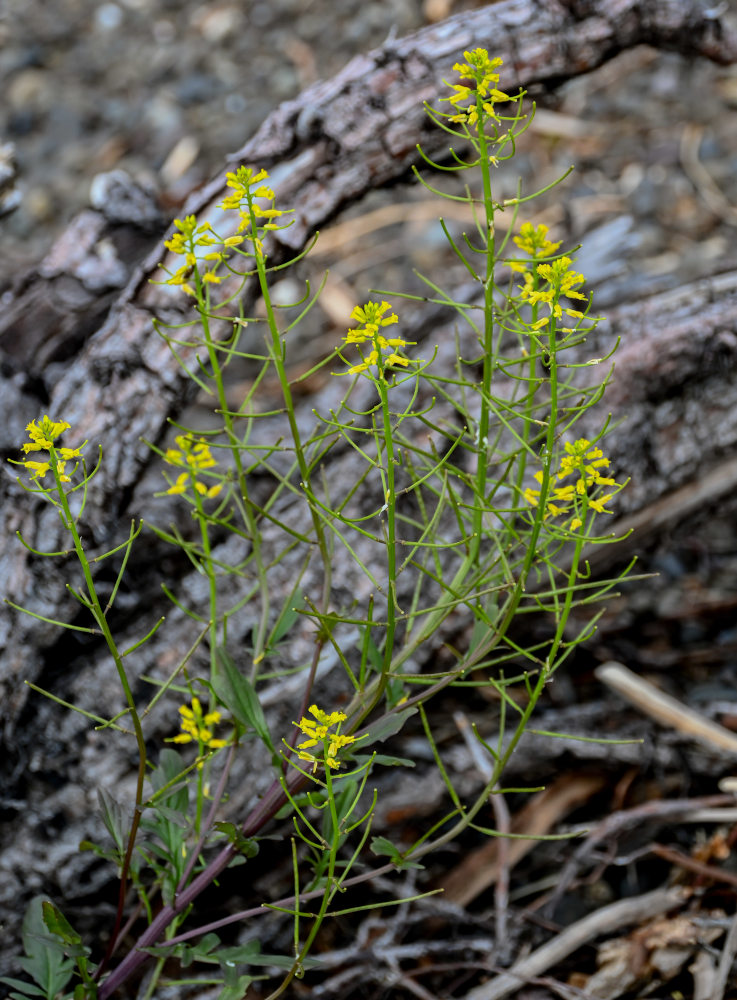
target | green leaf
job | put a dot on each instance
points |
(29, 990)
(113, 817)
(249, 955)
(239, 696)
(246, 845)
(243, 954)
(174, 817)
(110, 855)
(237, 989)
(60, 927)
(168, 775)
(387, 725)
(373, 653)
(285, 621)
(206, 945)
(394, 692)
(384, 848)
(57, 923)
(44, 961)
(201, 951)
(381, 758)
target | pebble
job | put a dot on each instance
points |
(108, 17)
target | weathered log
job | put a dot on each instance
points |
(96, 361)
(339, 140)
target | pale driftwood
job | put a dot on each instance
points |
(115, 381)
(664, 709)
(607, 920)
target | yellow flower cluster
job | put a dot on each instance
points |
(190, 239)
(584, 461)
(43, 435)
(372, 317)
(193, 456)
(558, 280)
(534, 241)
(246, 185)
(317, 732)
(196, 725)
(186, 242)
(479, 69)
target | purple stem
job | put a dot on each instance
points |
(267, 808)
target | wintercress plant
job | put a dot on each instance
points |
(476, 500)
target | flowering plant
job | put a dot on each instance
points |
(478, 502)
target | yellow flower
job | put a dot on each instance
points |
(558, 281)
(480, 70)
(562, 279)
(583, 460)
(533, 240)
(367, 363)
(193, 455)
(241, 182)
(247, 192)
(371, 317)
(266, 213)
(598, 504)
(180, 486)
(185, 242)
(37, 469)
(43, 434)
(197, 726)
(205, 491)
(317, 731)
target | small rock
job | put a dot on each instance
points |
(121, 198)
(108, 17)
(10, 196)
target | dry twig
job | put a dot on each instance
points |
(626, 819)
(664, 708)
(604, 921)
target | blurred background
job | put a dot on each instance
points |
(167, 88)
(163, 88)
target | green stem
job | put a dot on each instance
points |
(390, 505)
(488, 359)
(250, 518)
(327, 895)
(99, 616)
(277, 356)
(499, 767)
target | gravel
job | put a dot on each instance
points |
(162, 88)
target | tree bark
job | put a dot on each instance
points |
(74, 347)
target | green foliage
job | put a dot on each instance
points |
(239, 696)
(51, 947)
(475, 500)
(384, 848)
